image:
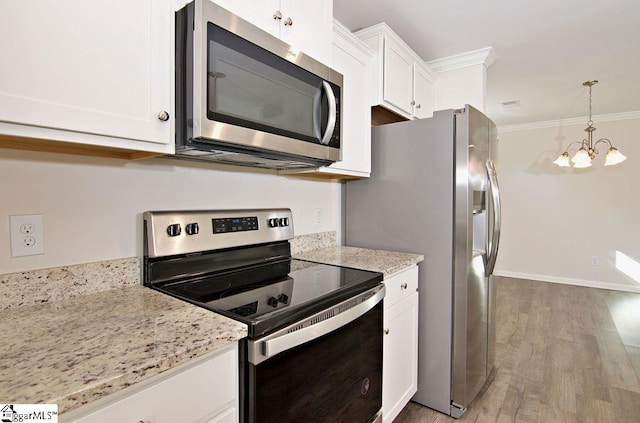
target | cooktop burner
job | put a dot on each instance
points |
(238, 263)
(253, 296)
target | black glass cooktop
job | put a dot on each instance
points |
(272, 295)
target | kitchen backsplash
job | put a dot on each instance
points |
(58, 283)
(304, 243)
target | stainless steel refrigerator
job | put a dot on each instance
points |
(433, 190)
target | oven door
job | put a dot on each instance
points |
(327, 368)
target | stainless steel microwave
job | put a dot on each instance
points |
(245, 97)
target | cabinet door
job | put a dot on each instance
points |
(307, 26)
(400, 363)
(102, 67)
(422, 93)
(259, 13)
(352, 60)
(398, 75)
(304, 24)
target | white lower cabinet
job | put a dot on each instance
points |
(203, 392)
(400, 345)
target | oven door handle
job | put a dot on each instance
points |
(320, 325)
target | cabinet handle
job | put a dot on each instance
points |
(277, 15)
(413, 102)
(386, 331)
(288, 22)
(404, 286)
(163, 116)
(418, 106)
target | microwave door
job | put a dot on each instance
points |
(324, 103)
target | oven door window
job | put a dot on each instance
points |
(335, 378)
(251, 87)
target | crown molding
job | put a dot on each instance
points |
(484, 56)
(569, 122)
(343, 32)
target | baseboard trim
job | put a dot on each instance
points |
(568, 281)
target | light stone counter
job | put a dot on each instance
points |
(76, 349)
(74, 334)
(387, 262)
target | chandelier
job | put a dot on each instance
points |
(588, 151)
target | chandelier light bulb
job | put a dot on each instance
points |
(562, 160)
(582, 165)
(581, 158)
(614, 157)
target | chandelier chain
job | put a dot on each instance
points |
(590, 120)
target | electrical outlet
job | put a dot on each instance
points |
(26, 228)
(27, 235)
(318, 216)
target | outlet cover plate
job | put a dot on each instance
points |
(27, 235)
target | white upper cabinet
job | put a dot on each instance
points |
(423, 92)
(303, 24)
(354, 60)
(397, 84)
(96, 73)
(402, 83)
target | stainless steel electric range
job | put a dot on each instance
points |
(314, 346)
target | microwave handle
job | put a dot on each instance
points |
(331, 122)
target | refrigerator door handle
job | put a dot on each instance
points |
(494, 239)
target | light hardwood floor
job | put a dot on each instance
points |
(563, 354)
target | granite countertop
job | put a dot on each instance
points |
(387, 262)
(74, 334)
(76, 350)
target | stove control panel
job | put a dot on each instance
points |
(174, 229)
(234, 224)
(275, 222)
(169, 233)
(192, 228)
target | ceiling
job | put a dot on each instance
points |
(545, 49)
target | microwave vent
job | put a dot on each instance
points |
(239, 159)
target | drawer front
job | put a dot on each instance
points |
(400, 285)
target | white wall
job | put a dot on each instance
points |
(556, 219)
(457, 87)
(93, 207)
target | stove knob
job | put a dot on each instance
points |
(174, 229)
(283, 298)
(273, 222)
(283, 221)
(273, 302)
(192, 228)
